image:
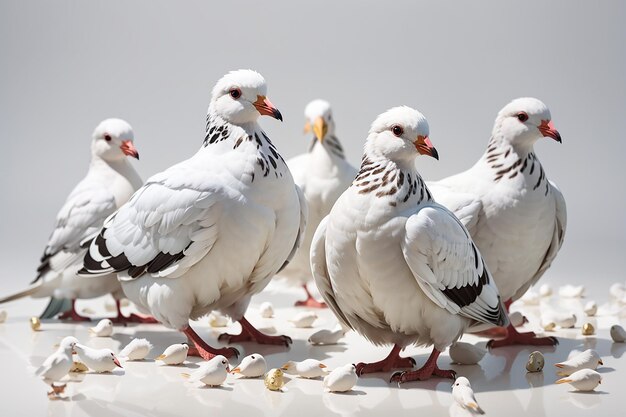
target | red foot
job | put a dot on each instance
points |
(513, 337)
(392, 361)
(73, 315)
(132, 318)
(250, 334)
(205, 351)
(425, 372)
(310, 301)
(493, 332)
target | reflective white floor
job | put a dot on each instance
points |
(500, 380)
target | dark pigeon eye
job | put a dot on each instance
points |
(397, 130)
(252, 356)
(223, 362)
(522, 116)
(235, 93)
(107, 137)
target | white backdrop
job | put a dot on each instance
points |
(67, 65)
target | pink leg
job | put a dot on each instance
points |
(513, 337)
(250, 334)
(392, 361)
(310, 301)
(132, 318)
(202, 349)
(425, 372)
(72, 314)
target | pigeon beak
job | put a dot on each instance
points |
(600, 362)
(320, 128)
(547, 130)
(425, 147)
(117, 363)
(266, 108)
(236, 370)
(227, 368)
(129, 149)
(307, 127)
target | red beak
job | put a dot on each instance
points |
(266, 108)
(425, 147)
(547, 130)
(129, 149)
(117, 362)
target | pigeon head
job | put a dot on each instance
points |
(524, 121)
(222, 362)
(319, 119)
(113, 140)
(461, 381)
(400, 134)
(240, 97)
(68, 343)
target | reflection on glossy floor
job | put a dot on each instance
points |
(500, 381)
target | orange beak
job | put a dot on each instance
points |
(266, 108)
(129, 149)
(547, 130)
(117, 362)
(425, 147)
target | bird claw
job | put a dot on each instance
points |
(397, 377)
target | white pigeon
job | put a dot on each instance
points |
(545, 290)
(209, 232)
(252, 366)
(565, 320)
(212, 373)
(308, 368)
(466, 353)
(323, 174)
(589, 359)
(109, 183)
(98, 360)
(517, 319)
(516, 216)
(174, 354)
(583, 380)
(618, 334)
(57, 365)
(266, 310)
(463, 394)
(217, 319)
(104, 328)
(136, 350)
(617, 290)
(591, 308)
(328, 336)
(393, 264)
(572, 291)
(341, 379)
(304, 319)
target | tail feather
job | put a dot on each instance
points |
(30, 290)
(56, 306)
(160, 357)
(476, 408)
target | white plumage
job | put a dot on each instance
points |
(303, 319)
(393, 264)
(464, 395)
(98, 360)
(572, 291)
(308, 368)
(211, 373)
(341, 379)
(466, 353)
(174, 354)
(516, 216)
(266, 310)
(211, 231)
(109, 183)
(328, 336)
(323, 174)
(136, 350)
(583, 380)
(252, 366)
(57, 365)
(589, 359)
(104, 328)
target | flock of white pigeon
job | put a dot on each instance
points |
(397, 259)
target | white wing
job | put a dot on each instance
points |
(320, 271)
(304, 214)
(81, 217)
(449, 268)
(167, 226)
(560, 225)
(465, 206)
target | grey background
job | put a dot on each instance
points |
(67, 65)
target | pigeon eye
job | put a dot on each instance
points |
(252, 356)
(235, 93)
(107, 137)
(522, 116)
(397, 130)
(223, 362)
